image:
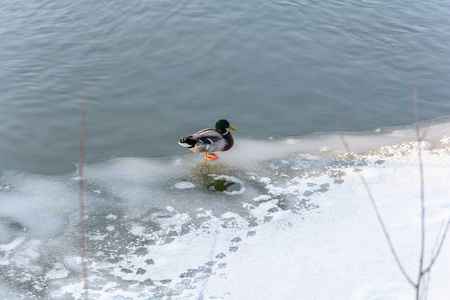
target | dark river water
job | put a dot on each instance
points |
(159, 70)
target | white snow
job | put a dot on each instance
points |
(184, 185)
(58, 272)
(12, 245)
(340, 252)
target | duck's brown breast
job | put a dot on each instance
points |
(229, 141)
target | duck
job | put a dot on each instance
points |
(210, 140)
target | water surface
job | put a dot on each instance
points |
(159, 70)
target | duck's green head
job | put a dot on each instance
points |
(222, 125)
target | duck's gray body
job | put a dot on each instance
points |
(208, 140)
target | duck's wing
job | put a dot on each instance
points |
(202, 140)
(207, 136)
(207, 140)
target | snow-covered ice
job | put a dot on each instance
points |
(287, 222)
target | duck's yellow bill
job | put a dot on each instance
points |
(231, 127)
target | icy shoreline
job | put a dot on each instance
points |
(294, 225)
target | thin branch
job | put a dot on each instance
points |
(377, 212)
(424, 133)
(422, 187)
(80, 196)
(441, 243)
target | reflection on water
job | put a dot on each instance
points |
(222, 185)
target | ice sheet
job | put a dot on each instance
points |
(290, 222)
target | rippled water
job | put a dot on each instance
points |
(158, 70)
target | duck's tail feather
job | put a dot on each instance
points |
(187, 142)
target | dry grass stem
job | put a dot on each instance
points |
(422, 191)
(421, 285)
(80, 196)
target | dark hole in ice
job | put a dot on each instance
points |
(141, 271)
(222, 185)
(16, 226)
(125, 270)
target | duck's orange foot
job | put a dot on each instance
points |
(211, 156)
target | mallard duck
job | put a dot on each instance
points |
(210, 140)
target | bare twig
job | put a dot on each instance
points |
(377, 212)
(441, 243)
(421, 285)
(80, 196)
(422, 188)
